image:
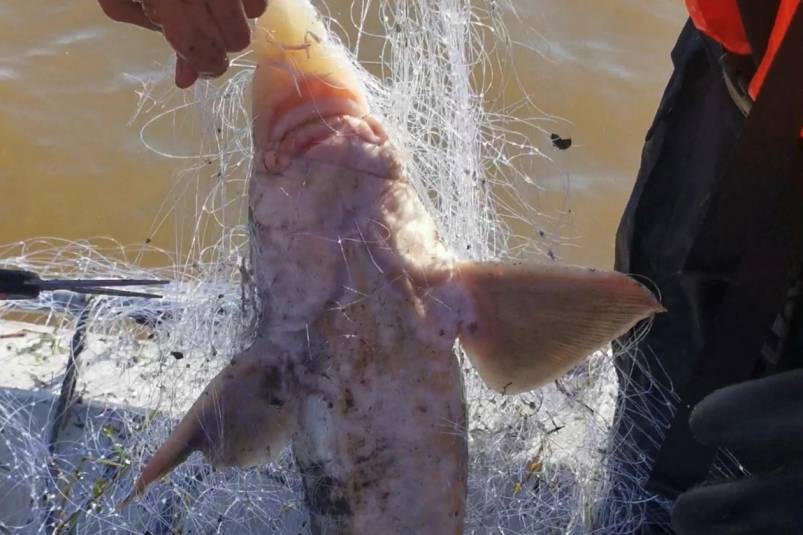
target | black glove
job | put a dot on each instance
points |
(760, 420)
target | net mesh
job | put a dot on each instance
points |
(541, 462)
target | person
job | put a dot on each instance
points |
(202, 32)
(701, 254)
(720, 66)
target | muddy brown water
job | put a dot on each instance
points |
(72, 164)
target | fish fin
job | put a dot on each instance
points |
(528, 324)
(244, 417)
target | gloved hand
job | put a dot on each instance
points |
(201, 32)
(760, 420)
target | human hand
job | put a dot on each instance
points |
(761, 420)
(201, 32)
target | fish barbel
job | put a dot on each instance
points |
(361, 305)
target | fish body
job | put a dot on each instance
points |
(346, 253)
(361, 306)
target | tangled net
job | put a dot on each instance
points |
(73, 437)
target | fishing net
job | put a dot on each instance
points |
(102, 381)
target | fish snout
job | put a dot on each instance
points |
(306, 90)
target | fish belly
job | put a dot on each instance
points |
(381, 435)
(381, 441)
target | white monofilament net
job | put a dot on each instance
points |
(538, 461)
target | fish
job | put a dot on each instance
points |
(362, 306)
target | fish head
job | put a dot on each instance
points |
(309, 105)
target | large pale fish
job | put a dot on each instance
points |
(362, 303)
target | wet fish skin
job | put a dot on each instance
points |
(353, 256)
(362, 304)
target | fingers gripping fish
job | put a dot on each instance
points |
(362, 303)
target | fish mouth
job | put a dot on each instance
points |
(312, 112)
(308, 136)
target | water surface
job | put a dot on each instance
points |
(72, 164)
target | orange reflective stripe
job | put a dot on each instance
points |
(720, 20)
(785, 13)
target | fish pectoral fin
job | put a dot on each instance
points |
(244, 417)
(528, 324)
